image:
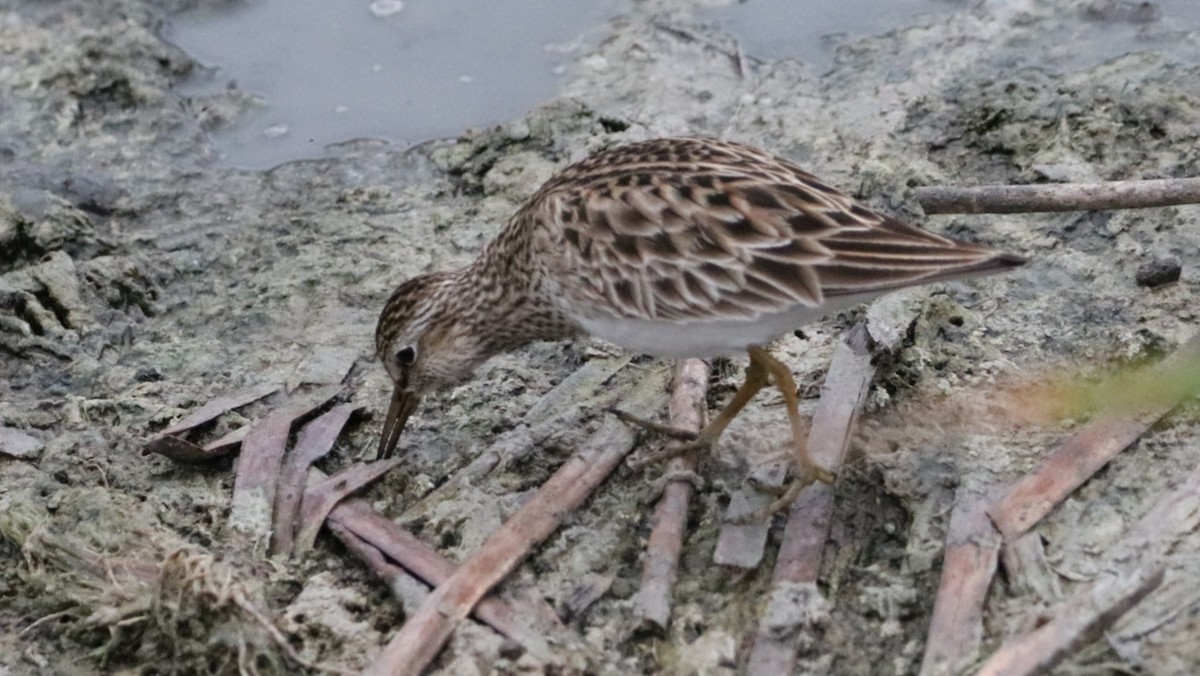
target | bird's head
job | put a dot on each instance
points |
(427, 342)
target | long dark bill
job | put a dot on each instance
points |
(403, 404)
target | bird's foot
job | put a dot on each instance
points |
(693, 441)
(785, 494)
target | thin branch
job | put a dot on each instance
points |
(1132, 569)
(259, 463)
(220, 405)
(1093, 446)
(1027, 570)
(688, 392)
(172, 444)
(1076, 623)
(320, 498)
(227, 443)
(956, 629)
(1012, 199)
(315, 440)
(528, 625)
(799, 559)
(426, 631)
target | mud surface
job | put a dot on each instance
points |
(138, 281)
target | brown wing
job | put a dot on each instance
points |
(690, 230)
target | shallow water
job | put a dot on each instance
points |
(811, 30)
(333, 71)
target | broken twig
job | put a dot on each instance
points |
(426, 631)
(1133, 568)
(1012, 199)
(171, 442)
(259, 463)
(799, 559)
(686, 411)
(1077, 622)
(220, 405)
(1092, 447)
(1027, 570)
(320, 498)
(315, 440)
(956, 629)
(378, 541)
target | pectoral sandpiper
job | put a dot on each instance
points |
(678, 247)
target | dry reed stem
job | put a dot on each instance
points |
(171, 443)
(1132, 569)
(426, 631)
(1012, 199)
(689, 390)
(258, 467)
(1093, 446)
(528, 625)
(1077, 622)
(799, 559)
(968, 566)
(316, 439)
(220, 405)
(320, 498)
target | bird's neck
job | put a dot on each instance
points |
(503, 287)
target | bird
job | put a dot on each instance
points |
(671, 247)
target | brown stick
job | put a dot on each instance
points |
(1011, 199)
(372, 536)
(218, 406)
(258, 467)
(320, 498)
(1089, 449)
(385, 570)
(1027, 570)
(424, 634)
(956, 629)
(1077, 622)
(171, 443)
(1133, 568)
(227, 443)
(686, 410)
(799, 559)
(315, 440)
(560, 408)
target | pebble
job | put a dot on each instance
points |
(18, 444)
(147, 374)
(1159, 271)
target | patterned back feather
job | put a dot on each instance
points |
(692, 230)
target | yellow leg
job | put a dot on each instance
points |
(756, 379)
(806, 470)
(763, 370)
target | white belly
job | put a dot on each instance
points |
(708, 339)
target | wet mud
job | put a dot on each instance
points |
(138, 281)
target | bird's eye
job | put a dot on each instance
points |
(406, 356)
